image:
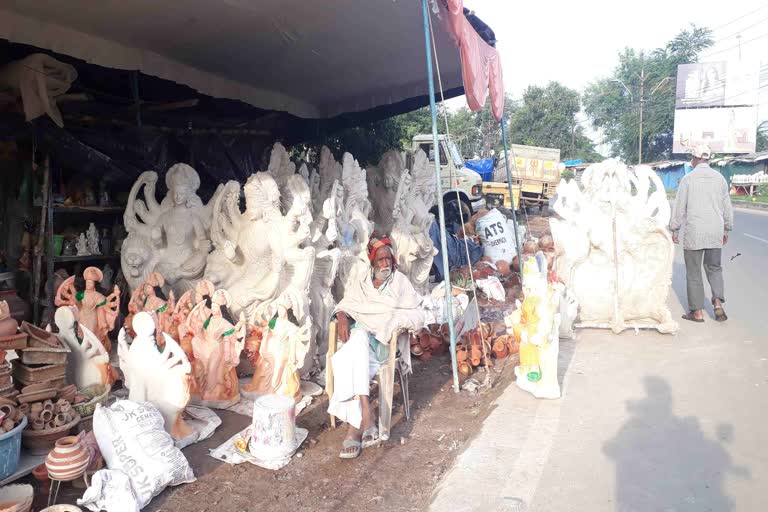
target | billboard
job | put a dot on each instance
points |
(715, 84)
(725, 129)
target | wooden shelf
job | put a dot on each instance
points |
(90, 257)
(86, 209)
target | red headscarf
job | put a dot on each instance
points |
(376, 243)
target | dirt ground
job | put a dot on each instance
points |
(399, 475)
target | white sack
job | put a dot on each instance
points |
(497, 239)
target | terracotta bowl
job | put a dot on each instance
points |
(16, 498)
(40, 442)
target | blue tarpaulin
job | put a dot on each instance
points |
(483, 167)
(671, 176)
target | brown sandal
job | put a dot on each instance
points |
(720, 315)
(689, 316)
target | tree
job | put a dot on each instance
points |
(615, 110)
(762, 137)
(547, 117)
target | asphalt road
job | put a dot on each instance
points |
(647, 422)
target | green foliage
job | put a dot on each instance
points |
(614, 111)
(762, 137)
(547, 117)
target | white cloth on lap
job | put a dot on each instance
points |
(354, 365)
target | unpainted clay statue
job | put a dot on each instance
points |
(614, 248)
(282, 350)
(88, 363)
(82, 245)
(216, 343)
(92, 239)
(172, 237)
(96, 312)
(261, 254)
(410, 232)
(151, 298)
(354, 224)
(158, 377)
(383, 183)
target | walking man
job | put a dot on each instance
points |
(704, 214)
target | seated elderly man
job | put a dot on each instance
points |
(378, 300)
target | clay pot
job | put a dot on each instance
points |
(503, 267)
(35, 409)
(46, 415)
(424, 340)
(38, 424)
(516, 264)
(8, 326)
(61, 419)
(24, 408)
(475, 355)
(461, 353)
(41, 475)
(426, 356)
(546, 243)
(416, 350)
(68, 459)
(7, 411)
(7, 425)
(500, 349)
(513, 347)
(62, 407)
(48, 405)
(465, 368)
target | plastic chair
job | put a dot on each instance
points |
(386, 381)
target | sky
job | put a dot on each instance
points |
(576, 43)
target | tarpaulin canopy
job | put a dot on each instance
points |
(310, 59)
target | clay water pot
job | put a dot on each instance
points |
(465, 368)
(48, 405)
(461, 353)
(503, 267)
(68, 459)
(500, 349)
(416, 350)
(38, 424)
(513, 347)
(516, 264)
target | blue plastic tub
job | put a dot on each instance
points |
(10, 450)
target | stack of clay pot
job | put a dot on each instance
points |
(431, 341)
(498, 344)
(48, 422)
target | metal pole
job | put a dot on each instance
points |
(640, 135)
(440, 209)
(511, 193)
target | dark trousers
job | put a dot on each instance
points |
(693, 278)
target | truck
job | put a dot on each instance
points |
(535, 174)
(455, 177)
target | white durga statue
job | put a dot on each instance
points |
(354, 224)
(383, 182)
(172, 237)
(261, 254)
(615, 251)
(412, 220)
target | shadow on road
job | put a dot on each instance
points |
(665, 462)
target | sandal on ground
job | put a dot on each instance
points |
(689, 316)
(350, 443)
(371, 437)
(720, 315)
